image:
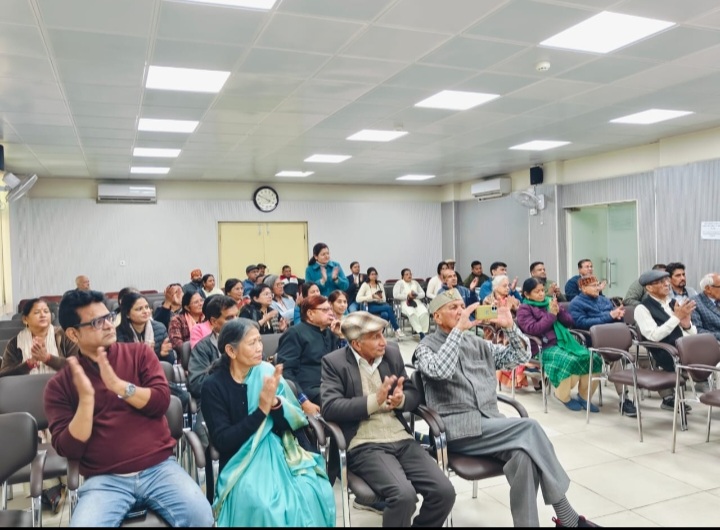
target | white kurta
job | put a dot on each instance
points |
(418, 316)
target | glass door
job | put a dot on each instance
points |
(606, 234)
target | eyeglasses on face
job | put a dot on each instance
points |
(99, 322)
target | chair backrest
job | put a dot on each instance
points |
(185, 355)
(169, 371)
(291, 289)
(416, 379)
(270, 344)
(629, 315)
(389, 291)
(616, 335)
(698, 349)
(19, 442)
(25, 393)
(175, 417)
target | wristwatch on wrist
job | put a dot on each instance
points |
(129, 391)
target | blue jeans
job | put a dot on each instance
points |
(353, 307)
(105, 500)
(384, 311)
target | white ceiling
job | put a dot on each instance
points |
(310, 73)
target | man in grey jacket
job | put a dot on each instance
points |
(458, 373)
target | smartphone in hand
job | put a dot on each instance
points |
(485, 312)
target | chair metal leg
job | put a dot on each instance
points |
(707, 430)
(475, 489)
(3, 502)
(512, 382)
(676, 409)
(345, 494)
(36, 510)
(638, 408)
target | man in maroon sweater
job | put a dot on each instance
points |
(107, 410)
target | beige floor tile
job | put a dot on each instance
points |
(629, 484)
(624, 519)
(699, 509)
(481, 512)
(575, 455)
(621, 441)
(687, 465)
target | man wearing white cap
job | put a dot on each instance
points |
(365, 389)
(458, 373)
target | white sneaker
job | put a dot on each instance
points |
(399, 334)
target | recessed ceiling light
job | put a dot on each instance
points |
(249, 4)
(150, 170)
(328, 159)
(186, 79)
(416, 177)
(456, 100)
(538, 145)
(648, 117)
(298, 174)
(174, 126)
(374, 135)
(606, 32)
(157, 153)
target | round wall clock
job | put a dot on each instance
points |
(265, 199)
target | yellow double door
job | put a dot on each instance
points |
(274, 244)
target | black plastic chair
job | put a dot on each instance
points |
(19, 440)
(25, 393)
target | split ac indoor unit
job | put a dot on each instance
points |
(127, 193)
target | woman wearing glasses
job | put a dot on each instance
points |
(137, 326)
(303, 346)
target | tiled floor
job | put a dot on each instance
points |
(616, 480)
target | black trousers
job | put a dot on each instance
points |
(397, 472)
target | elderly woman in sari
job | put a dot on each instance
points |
(410, 294)
(566, 362)
(268, 474)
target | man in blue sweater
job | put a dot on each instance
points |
(585, 268)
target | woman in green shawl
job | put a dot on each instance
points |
(269, 475)
(566, 362)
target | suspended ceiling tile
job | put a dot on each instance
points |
(491, 83)
(363, 10)
(106, 142)
(449, 16)
(101, 122)
(17, 119)
(18, 12)
(96, 47)
(670, 10)
(525, 63)
(85, 108)
(305, 34)
(398, 97)
(120, 74)
(113, 95)
(332, 90)
(225, 128)
(230, 116)
(177, 98)
(474, 54)
(359, 70)
(31, 68)
(393, 44)
(90, 132)
(25, 41)
(255, 103)
(664, 76)
(23, 91)
(36, 106)
(553, 89)
(129, 17)
(671, 44)
(202, 55)
(273, 62)
(317, 106)
(429, 77)
(171, 113)
(607, 70)
(191, 22)
(242, 84)
(529, 22)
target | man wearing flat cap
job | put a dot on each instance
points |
(458, 374)
(659, 318)
(365, 389)
(252, 273)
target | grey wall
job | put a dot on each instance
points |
(54, 240)
(492, 230)
(542, 234)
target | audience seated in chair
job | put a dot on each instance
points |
(182, 323)
(171, 306)
(372, 293)
(572, 289)
(249, 283)
(220, 309)
(355, 280)
(303, 346)
(451, 265)
(209, 286)
(260, 310)
(590, 308)
(450, 281)
(338, 302)
(660, 318)
(287, 276)
(136, 325)
(537, 271)
(458, 374)
(496, 269)
(234, 289)
(365, 389)
(565, 361)
(82, 283)
(409, 294)
(435, 283)
(476, 272)
(269, 475)
(107, 410)
(678, 282)
(636, 291)
(307, 289)
(282, 303)
(327, 274)
(195, 284)
(706, 316)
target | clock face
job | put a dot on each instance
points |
(266, 199)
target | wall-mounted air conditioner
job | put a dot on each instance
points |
(491, 188)
(131, 193)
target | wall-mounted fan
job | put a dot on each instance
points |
(16, 187)
(530, 199)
